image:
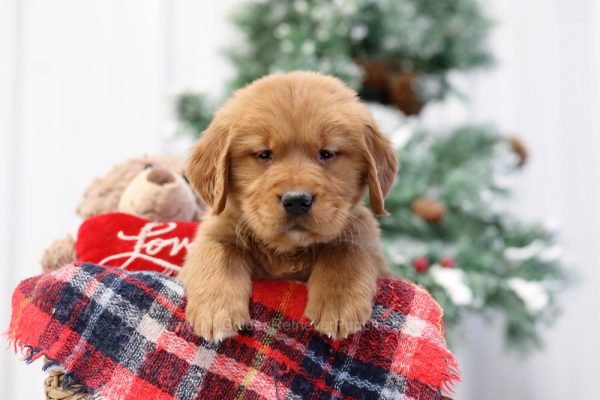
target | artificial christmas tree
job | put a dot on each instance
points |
(393, 52)
(465, 247)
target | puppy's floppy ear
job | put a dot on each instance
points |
(208, 166)
(382, 167)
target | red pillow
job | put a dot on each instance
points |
(133, 243)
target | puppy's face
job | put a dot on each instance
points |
(292, 154)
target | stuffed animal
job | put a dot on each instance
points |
(135, 217)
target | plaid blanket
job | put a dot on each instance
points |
(123, 335)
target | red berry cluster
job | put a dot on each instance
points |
(422, 264)
(447, 262)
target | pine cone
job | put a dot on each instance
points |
(431, 211)
(376, 77)
(519, 148)
(403, 93)
(377, 73)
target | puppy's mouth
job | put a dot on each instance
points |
(296, 225)
(298, 228)
(298, 233)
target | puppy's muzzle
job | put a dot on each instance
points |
(296, 203)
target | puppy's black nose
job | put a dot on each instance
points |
(296, 203)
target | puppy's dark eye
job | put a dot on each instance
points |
(325, 155)
(265, 155)
(146, 166)
(185, 178)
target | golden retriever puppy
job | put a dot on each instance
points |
(284, 166)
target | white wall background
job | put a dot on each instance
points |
(87, 84)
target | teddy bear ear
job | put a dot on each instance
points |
(103, 194)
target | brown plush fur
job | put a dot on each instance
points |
(335, 247)
(60, 253)
(105, 194)
(151, 187)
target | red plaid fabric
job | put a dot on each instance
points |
(123, 335)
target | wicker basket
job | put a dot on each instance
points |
(54, 390)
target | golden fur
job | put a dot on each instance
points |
(334, 248)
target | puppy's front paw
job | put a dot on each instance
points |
(338, 315)
(217, 316)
